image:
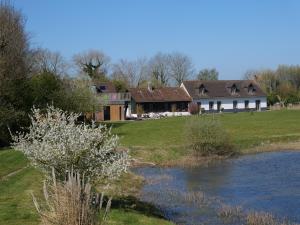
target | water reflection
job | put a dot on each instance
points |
(267, 182)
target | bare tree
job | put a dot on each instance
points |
(181, 67)
(124, 71)
(133, 73)
(93, 63)
(160, 69)
(47, 61)
(250, 75)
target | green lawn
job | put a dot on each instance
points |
(162, 140)
(16, 206)
(11, 161)
(152, 140)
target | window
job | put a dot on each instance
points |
(219, 106)
(234, 89)
(102, 87)
(251, 89)
(201, 89)
(234, 104)
(246, 104)
(211, 105)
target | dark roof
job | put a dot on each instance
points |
(164, 94)
(107, 87)
(203, 89)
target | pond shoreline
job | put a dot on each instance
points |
(261, 189)
(189, 160)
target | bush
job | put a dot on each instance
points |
(72, 203)
(208, 137)
(55, 139)
(194, 108)
(139, 110)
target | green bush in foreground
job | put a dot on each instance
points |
(208, 137)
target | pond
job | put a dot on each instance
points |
(266, 182)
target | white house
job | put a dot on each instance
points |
(226, 95)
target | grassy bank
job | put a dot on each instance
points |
(161, 141)
(18, 180)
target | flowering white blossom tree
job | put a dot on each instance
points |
(55, 139)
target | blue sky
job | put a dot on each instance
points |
(231, 35)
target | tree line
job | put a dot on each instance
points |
(282, 85)
(163, 69)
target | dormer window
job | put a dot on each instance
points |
(251, 89)
(234, 89)
(202, 89)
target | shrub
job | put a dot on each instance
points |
(194, 108)
(173, 108)
(139, 110)
(55, 139)
(72, 203)
(208, 137)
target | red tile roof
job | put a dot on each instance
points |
(164, 94)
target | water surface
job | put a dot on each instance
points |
(268, 182)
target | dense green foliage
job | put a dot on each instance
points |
(208, 74)
(207, 137)
(13, 70)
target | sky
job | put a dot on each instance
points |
(232, 36)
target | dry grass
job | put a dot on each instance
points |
(257, 218)
(273, 147)
(71, 203)
(190, 161)
(227, 211)
(152, 180)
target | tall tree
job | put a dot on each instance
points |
(14, 47)
(159, 68)
(181, 67)
(208, 74)
(132, 73)
(93, 63)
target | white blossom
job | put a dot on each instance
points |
(56, 139)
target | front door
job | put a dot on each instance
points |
(106, 113)
(257, 105)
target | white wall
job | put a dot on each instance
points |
(227, 103)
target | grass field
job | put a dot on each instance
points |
(163, 140)
(18, 180)
(152, 140)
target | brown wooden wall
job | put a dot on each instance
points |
(116, 112)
